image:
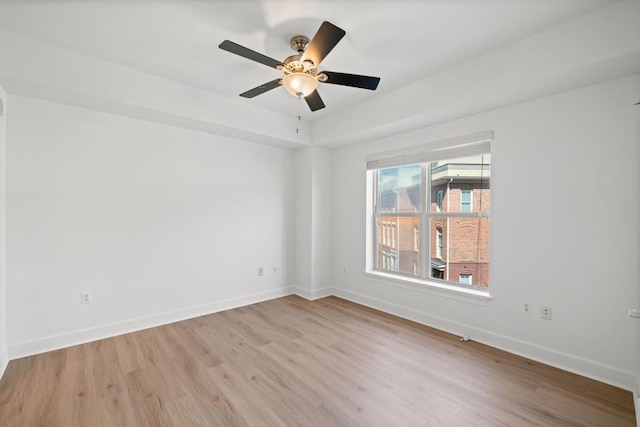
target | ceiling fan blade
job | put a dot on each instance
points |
(326, 38)
(261, 89)
(314, 101)
(353, 80)
(232, 47)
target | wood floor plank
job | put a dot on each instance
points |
(130, 355)
(334, 403)
(250, 402)
(290, 361)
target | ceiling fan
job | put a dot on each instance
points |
(301, 76)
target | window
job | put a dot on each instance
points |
(439, 198)
(465, 201)
(418, 194)
(393, 237)
(438, 242)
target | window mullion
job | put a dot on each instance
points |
(459, 214)
(376, 237)
(425, 235)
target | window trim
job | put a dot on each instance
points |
(460, 293)
(423, 154)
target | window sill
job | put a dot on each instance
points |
(472, 296)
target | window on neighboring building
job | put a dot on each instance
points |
(466, 201)
(466, 279)
(393, 236)
(439, 198)
(432, 241)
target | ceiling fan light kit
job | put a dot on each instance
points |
(301, 76)
(300, 84)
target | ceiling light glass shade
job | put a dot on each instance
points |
(299, 84)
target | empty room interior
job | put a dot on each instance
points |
(316, 213)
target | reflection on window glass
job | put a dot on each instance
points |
(399, 189)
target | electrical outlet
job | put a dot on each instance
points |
(260, 271)
(526, 307)
(546, 312)
(85, 297)
(275, 268)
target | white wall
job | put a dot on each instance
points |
(564, 229)
(4, 358)
(303, 215)
(637, 307)
(321, 207)
(313, 222)
(158, 222)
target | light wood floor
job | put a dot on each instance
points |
(298, 363)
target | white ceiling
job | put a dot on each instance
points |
(399, 41)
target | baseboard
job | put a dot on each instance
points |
(636, 400)
(55, 342)
(572, 363)
(4, 360)
(314, 294)
(568, 362)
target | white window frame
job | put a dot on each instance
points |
(423, 154)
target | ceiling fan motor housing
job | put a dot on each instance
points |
(293, 64)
